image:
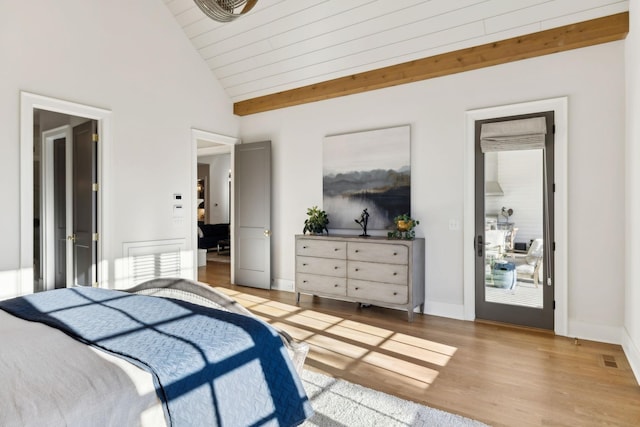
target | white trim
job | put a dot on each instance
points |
(559, 106)
(595, 332)
(452, 311)
(632, 352)
(230, 141)
(213, 151)
(283, 285)
(29, 102)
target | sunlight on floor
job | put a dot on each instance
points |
(340, 343)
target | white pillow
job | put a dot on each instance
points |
(200, 233)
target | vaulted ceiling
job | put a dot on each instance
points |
(281, 45)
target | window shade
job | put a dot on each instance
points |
(524, 134)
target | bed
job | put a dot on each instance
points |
(169, 352)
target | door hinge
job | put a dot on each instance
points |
(95, 186)
(554, 187)
(95, 137)
(553, 129)
(554, 304)
(554, 246)
(96, 237)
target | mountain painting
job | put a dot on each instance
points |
(371, 170)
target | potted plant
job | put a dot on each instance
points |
(317, 221)
(404, 227)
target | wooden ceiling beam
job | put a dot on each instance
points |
(560, 39)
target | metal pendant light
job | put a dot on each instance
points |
(225, 10)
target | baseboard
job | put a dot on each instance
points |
(283, 285)
(632, 352)
(10, 284)
(452, 311)
(592, 332)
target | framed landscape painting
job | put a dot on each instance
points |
(367, 170)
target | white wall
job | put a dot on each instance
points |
(218, 187)
(631, 336)
(593, 80)
(127, 57)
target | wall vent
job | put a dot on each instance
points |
(609, 361)
(153, 259)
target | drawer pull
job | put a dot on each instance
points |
(357, 251)
(304, 281)
(335, 249)
(304, 264)
(395, 274)
(336, 285)
(335, 268)
(395, 253)
(357, 269)
(357, 289)
(304, 247)
(395, 293)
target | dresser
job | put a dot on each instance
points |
(367, 270)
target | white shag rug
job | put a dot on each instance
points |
(339, 403)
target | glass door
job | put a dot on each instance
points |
(514, 222)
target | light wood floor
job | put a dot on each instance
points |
(500, 375)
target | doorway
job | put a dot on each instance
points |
(65, 205)
(560, 108)
(31, 184)
(515, 224)
(214, 201)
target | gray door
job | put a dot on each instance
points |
(514, 279)
(84, 235)
(60, 212)
(252, 222)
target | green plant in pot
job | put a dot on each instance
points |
(316, 222)
(404, 227)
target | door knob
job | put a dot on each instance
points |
(267, 233)
(72, 237)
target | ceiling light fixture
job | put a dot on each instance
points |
(225, 10)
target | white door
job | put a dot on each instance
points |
(252, 242)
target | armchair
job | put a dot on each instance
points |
(532, 268)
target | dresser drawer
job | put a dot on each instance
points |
(324, 266)
(310, 283)
(386, 293)
(321, 248)
(377, 272)
(377, 252)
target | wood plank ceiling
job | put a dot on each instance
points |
(281, 52)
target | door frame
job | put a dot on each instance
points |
(28, 103)
(211, 137)
(560, 108)
(535, 317)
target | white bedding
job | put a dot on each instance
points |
(49, 379)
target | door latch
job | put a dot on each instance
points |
(72, 238)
